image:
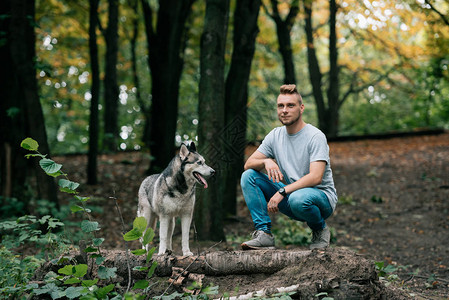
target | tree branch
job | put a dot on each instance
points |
(443, 17)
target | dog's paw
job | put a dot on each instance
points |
(187, 253)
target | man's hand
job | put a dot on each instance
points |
(272, 205)
(273, 171)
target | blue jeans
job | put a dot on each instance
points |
(308, 205)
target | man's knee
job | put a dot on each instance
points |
(247, 177)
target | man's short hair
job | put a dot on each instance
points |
(290, 89)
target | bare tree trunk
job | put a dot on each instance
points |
(328, 115)
(283, 29)
(95, 91)
(236, 97)
(166, 45)
(111, 92)
(209, 212)
(314, 67)
(333, 92)
(133, 44)
(20, 107)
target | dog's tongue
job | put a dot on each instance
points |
(203, 181)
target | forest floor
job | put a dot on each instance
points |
(393, 208)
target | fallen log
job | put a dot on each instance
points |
(340, 273)
(217, 263)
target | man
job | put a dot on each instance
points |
(298, 180)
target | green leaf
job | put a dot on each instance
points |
(82, 199)
(210, 290)
(29, 144)
(150, 254)
(49, 166)
(99, 260)
(59, 173)
(89, 226)
(140, 223)
(106, 273)
(152, 269)
(139, 252)
(27, 156)
(132, 235)
(140, 268)
(66, 270)
(102, 292)
(97, 241)
(67, 185)
(141, 284)
(76, 208)
(72, 280)
(73, 292)
(80, 270)
(90, 250)
(89, 283)
(148, 236)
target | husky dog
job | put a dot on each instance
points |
(171, 194)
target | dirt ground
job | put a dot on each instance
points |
(393, 207)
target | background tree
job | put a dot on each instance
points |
(111, 91)
(95, 91)
(236, 97)
(283, 30)
(166, 44)
(20, 108)
(209, 208)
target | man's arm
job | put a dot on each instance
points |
(312, 179)
(259, 161)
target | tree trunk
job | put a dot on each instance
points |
(20, 107)
(209, 212)
(328, 115)
(236, 97)
(133, 45)
(111, 92)
(333, 92)
(95, 91)
(166, 45)
(283, 29)
(314, 68)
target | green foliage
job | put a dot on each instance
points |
(386, 272)
(291, 232)
(30, 229)
(71, 281)
(15, 273)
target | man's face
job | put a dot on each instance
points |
(289, 109)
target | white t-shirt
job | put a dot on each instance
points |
(294, 153)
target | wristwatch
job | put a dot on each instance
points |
(282, 192)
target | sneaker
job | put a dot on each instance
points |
(260, 241)
(320, 238)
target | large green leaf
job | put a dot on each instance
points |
(132, 235)
(148, 236)
(66, 270)
(49, 166)
(29, 144)
(89, 226)
(139, 252)
(68, 186)
(141, 284)
(101, 293)
(106, 273)
(140, 223)
(74, 292)
(80, 270)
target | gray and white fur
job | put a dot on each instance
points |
(172, 194)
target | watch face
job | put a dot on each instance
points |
(282, 191)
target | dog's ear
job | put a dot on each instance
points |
(183, 151)
(192, 147)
